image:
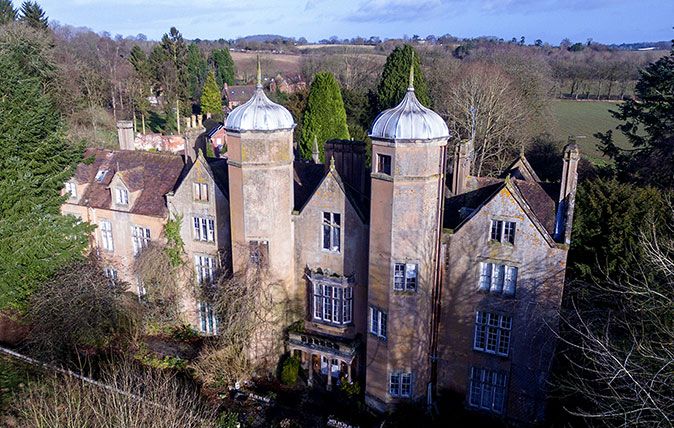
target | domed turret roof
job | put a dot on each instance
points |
(259, 113)
(409, 120)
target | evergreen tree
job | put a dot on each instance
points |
(225, 70)
(324, 117)
(140, 63)
(35, 161)
(7, 12)
(395, 78)
(648, 124)
(175, 79)
(211, 101)
(197, 69)
(33, 15)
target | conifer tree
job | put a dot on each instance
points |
(33, 15)
(211, 101)
(324, 117)
(35, 161)
(7, 12)
(225, 70)
(197, 69)
(395, 78)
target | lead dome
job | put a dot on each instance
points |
(409, 120)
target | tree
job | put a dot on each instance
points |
(324, 117)
(78, 308)
(395, 78)
(648, 124)
(7, 12)
(197, 69)
(33, 15)
(211, 101)
(35, 161)
(225, 70)
(618, 336)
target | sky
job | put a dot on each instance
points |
(605, 21)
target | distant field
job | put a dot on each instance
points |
(583, 119)
(286, 64)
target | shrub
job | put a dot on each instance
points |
(290, 370)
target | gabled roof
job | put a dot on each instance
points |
(308, 178)
(521, 168)
(531, 196)
(240, 93)
(152, 174)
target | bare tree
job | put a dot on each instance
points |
(128, 396)
(619, 343)
(483, 102)
(249, 307)
(78, 309)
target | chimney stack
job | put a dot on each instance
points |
(463, 156)
(200, 119)
(125, 134)
(193, 121)
(567, 192)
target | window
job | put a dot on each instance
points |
(121, 196)
(259, 252)
(208, 322)
(492, 333)
(140, 237)
(377, 322)
(71, 190)
(487, 389)
(204, 229)
(331, 231)
(110, 273)
(106, 235)
(405, 276)
(140, 288)
(503, 231)
(204, 266)
(200, 191)
(497, 278)
(383, 164)
(400, 385)
(100, 175)
(333, 303)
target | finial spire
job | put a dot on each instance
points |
(410, 86)
(259, 73)
(332, 163)
(315, 153)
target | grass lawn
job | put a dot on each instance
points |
(583, 119)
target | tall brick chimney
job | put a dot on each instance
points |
(463, 157)
(125, 134)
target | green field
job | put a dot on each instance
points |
(583, 119)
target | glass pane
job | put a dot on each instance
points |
(326, 237)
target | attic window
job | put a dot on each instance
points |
(121, 196)
(100, 175)
(383, 164)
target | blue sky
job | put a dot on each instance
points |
(609, 21)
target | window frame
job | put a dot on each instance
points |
(402, 279)
(71, 189)
(377, 323)
(384, 164)
(487, 386)
(205, 272)
(107, 240)
(200, 192)
(502, 231)
(208, 321)
(141, 240)
(121, 196)
(332, 303)
(400, 384)
(492, 333)
(331, 225)
(497, 278)
(203, 229)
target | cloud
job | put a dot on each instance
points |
(396, 10)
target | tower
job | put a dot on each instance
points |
(567, 192)
(260, 142)
(408, 154)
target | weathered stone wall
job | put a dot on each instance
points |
(182, 202)
(352, 258)
(541, 266)
(404, 229)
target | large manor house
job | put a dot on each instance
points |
(412, 276)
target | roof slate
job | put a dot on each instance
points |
(151, 174)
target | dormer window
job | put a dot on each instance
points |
(503, 231)
(383, 164)
(71, 190)
(200, 191)
(100, 175)
(121, 196)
